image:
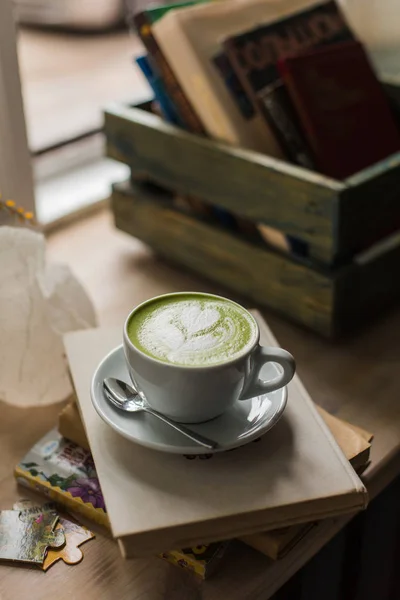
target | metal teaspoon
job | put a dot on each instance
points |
(124, 397)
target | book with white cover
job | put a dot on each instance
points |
(157, 501)
(189, 39)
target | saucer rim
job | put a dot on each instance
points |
(175, 449)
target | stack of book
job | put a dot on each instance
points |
(307, 480)
(286, 78)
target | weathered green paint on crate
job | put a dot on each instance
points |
(336, 219)
(368, 287)
(266, 277)
(369, 207)
(258, 187)
(331, 304)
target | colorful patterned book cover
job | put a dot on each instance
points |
(65, 472)
(202, 560)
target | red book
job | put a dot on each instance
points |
(343, 111)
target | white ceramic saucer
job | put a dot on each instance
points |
(246, 421)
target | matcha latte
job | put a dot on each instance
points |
(192, 330)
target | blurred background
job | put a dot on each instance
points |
(76, 57)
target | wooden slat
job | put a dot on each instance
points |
(330, 303)
(391, 86)
(270, 279)
(263, 189)
(367, 288)
(369, 207)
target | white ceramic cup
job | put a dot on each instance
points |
(193, 394)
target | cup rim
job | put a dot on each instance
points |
(230, 362)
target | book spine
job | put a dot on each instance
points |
(240, 81)
(70, 426)
(186, 112)
(306, 123)
(168, 110)
(233, 85)
(229, 47)
(263, 543)
(274, 103)
(64, 499)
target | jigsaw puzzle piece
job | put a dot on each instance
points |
(26, 538)
(75, 535)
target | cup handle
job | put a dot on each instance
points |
(254, 385)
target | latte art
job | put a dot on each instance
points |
(192, 329)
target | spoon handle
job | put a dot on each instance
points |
(196, 437)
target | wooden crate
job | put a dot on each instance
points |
(334, 289)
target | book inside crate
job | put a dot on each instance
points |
(345, 271)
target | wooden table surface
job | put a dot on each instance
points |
(356, 380)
